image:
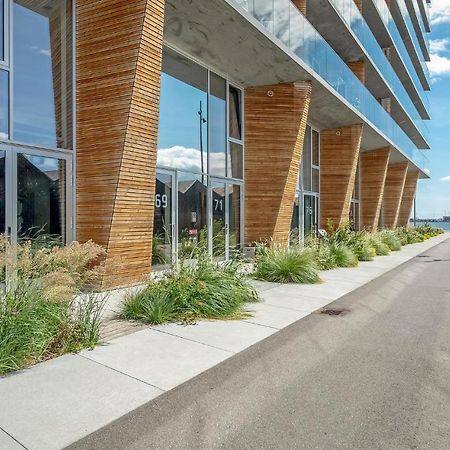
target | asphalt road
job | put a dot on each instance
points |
(377, 377)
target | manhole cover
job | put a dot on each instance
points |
(333, 311)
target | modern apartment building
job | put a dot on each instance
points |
(151, 126)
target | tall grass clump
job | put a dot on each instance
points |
(390, 238)
(343, 255)
(359, 242)
(47, 307)
(381, 248)
(280, 264)
(199, 289)
(322, 251)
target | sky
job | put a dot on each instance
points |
(433, 196)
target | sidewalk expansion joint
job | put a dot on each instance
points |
(193, 340)
(13, 438)
(123, 373)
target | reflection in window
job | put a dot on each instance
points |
(234, 199)
(2, 30)
(2, 192)
(4, 104)
(306, 160)
(217, 125)
(235, 119)
(41, 193)
(236, 162)
(315, 148)
(42, 43)
(162, 229)
(192, 222)
(294, 236)
(218, 219)
(182, 137)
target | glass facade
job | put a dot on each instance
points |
(36, 119)
(305, 218)
(200, 145)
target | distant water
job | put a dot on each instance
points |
(443, 225)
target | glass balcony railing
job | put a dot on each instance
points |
(412, 33)
(352, 16)
(284, 21)
(389, 23)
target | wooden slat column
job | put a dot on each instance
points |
(275, 124)
(301, 5)
(373, 167)
(339, 152)
(393, 193)
(359, 69)
(119, 51)
(409, 191)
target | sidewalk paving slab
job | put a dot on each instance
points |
(58, 402)
(274, 316)
(232, 335)
(160, 359)
(7, 443)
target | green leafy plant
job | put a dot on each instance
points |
(381, 248)
(343, 255)
(287, 265)
(199, 289)
(390, 238)
(48, 307)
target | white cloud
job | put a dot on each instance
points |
(45, 52)
(440, 63)
(189, 159)
(440, 12)
(447, 178)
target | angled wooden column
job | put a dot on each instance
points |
(339, 152)
(119, 51)
(409, 191)
(275, 124)
(393, 193)
(373, 167)
(301, 5)
(359, 69)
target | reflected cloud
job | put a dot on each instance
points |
(189, 159)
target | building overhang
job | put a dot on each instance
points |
(229, 40)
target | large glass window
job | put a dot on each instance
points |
(192, 216)
(306, 161)
(42, 57)
(2, 30)
(163, 220)
(41, 193)
(2, 191)
(182, 137)
(235, 114)
(4, 104)
(218, 125)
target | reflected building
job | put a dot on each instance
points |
(158, 128)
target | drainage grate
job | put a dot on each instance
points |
(333, 311)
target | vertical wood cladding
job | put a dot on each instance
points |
(359, 69)
(373, 166)
(393, 193)
(409, 191)
(301, 5)
(359, 4)
(275, 124)
(339, 152)
(119, 51)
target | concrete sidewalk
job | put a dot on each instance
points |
(58, 402)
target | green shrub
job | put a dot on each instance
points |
(48, 309)
(361, 246)
(390, 238)
(287, 265)
(381, 248)
(322, 251)
(196, 290)
(343, 255)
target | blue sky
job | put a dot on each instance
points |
(433, 197)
